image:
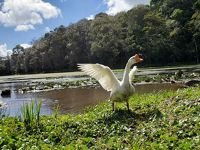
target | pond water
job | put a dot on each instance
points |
(69, 100)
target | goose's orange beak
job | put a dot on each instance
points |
(137, 58)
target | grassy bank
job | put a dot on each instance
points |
(167, 120)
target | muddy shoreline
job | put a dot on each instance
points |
(68, 75)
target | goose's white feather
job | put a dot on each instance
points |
(132, 73)
(102, 74)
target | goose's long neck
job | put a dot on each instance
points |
(126, 73)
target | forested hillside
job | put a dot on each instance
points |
(164, 32)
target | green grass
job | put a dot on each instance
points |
(165, 120)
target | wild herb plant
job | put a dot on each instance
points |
(56, 111)
(37, 112)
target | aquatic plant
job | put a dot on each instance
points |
(2, 109)
(30, 113)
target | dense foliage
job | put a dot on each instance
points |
(165, 120)
(165, 32)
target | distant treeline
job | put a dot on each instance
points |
(164, 32)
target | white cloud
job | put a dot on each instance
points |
(115, 6)
(91, 17)
(4, 51)
(25, 45)
(24, 27)
(47, 29)
(24, 14)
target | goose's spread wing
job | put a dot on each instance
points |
(102, 74)
(132, 73)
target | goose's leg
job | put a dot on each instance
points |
(113, 105)
(127, 104)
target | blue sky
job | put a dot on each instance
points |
(22, 21)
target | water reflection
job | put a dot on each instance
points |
(75, 99)
(149, 88)
(69, 100)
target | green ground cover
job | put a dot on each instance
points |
(165, 120)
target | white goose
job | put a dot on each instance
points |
(120, 90)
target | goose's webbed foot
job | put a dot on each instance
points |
(127, 104)
(113, 106)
